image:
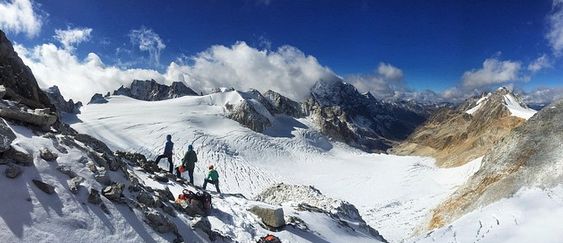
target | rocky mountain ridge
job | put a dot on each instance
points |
(60, 103)
(61, 185)
(530, 156)
(150, 90)
(457, 136)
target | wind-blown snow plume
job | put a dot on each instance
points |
(18, 16)
(149, 41)
(70, 37)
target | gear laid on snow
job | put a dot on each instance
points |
(195, 203)
(269, 239)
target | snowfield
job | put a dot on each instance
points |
(532, 215)
(31, 215)
(394, 194)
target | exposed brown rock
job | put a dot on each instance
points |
(530, 156)
(454, 137)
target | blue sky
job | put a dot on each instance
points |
(433, 43)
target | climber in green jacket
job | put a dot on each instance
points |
(189, 163)
(213, 178)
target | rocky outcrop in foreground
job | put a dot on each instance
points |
(530, 156)
(150, 90)
(18, 80)
(308, 198)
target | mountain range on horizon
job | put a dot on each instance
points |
(338, 165)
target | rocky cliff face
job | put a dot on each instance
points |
(531, 155)
(284, 105)
(60, 103)
(150, 90)
(359, 120)
(18, 79)
(457, 136)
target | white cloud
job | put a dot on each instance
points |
(71, 37)
(543, 95)
(77, 79)
(555, 32)
(286, 70)
(540, 63)
(390, 72)
(149, 41)
(18, 16)
(494, 71)
(384, 82)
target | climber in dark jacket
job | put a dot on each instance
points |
(189, 163)
(167, 152)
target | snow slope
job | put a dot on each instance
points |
(532, 215)
(393, 193)
(28, 214)
(515, 107)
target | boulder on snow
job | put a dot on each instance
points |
(148, 199)
(44, 186)
(43, 118)
(74, 184)
(165, 194)
(47, 155)
(203, 224)
(7, 136)
(114, 192)
(94, 197)
(66, 170)
(103, 178)
(272, 217)
(97, 98)
(159, 222)
(13, 171)
(18, 156)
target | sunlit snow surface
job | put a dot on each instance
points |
(27, 214)
(393, 193)
(531, 215)
(511, 103)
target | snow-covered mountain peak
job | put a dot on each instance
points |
(510, 101)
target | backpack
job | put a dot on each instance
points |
(205, 199)
(269, 239)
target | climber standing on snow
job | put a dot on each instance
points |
(167, 152)
(188, 162)
(213, 178)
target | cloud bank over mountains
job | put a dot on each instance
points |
(286, 69)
